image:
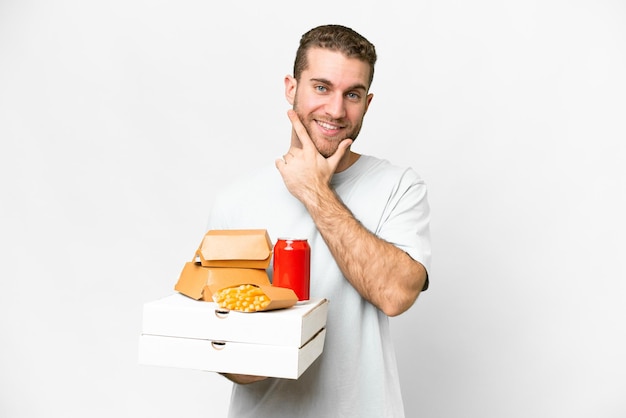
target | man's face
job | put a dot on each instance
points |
(331, 98)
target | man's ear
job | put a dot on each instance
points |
(368, 101)
(290, 89)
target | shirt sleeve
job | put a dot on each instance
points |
(406, 222)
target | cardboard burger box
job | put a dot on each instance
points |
(197, 281)
(179, 331)
(240, 248)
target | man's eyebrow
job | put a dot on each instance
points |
(357, 86)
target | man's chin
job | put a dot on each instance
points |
(326, 151)
(328, 147)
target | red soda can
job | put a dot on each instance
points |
(292, 266)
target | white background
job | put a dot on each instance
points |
(120, 119)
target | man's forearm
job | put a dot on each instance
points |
(382, 273)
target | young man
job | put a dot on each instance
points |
(367, 223)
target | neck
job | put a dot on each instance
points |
(348, 159)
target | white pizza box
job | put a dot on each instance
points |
(288, 362)
(177, 315)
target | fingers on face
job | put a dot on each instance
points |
(288, 157)
(303, 135)
(280, 161)
(283, 159)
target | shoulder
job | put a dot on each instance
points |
(379, 169)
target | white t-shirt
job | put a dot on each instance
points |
(356, 375)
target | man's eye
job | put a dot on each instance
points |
(353, 96)
(321, 89)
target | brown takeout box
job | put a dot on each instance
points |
(195, 281)
(239, 248)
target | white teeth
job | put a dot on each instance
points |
(327, 125)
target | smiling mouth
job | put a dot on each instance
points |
(328, 126)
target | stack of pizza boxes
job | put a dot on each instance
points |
(227, 317)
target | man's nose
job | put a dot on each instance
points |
(335, 107)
